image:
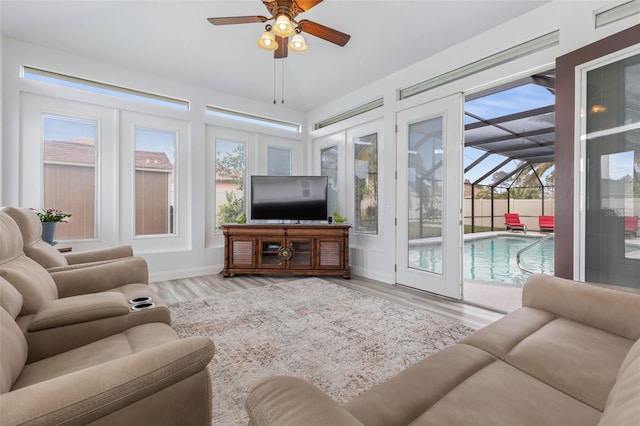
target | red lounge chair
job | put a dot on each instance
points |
(631, 225)
(512, 222)
(547, 223)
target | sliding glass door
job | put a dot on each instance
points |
(610, 152)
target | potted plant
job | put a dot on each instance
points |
(338, 218)
(50, 219)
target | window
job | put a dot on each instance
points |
(369, 106)
(230, 181)
(329, 168)
(122, 175)
(154, 181)
(69, 173)
(97, 87)
(250, 118)
(365, 168)
(154, 192)
(278, 161)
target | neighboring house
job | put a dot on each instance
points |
(69, 176)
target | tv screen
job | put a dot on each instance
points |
(289, 197)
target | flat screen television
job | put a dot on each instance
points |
(289, 197)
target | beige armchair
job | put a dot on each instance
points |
(142, 375)
(47, 319)
(103, 269)
(45, 254)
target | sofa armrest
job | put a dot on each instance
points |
(110, 253)
(100, 276)
(281, 400)
(611, 310)
(76, 309)
(87, 395)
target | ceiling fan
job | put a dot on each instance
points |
(276, 36)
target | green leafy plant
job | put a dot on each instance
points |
(52, 215)
(229, 211)
(338, 218)
(230, 168)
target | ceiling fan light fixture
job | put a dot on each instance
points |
(297, 44)
(267, 40)
(282, 26)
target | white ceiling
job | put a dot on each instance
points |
(172, 39)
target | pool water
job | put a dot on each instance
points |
(492, 259)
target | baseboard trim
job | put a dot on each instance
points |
(177, 274)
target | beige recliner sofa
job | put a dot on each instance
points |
(569, 356)
(104, 267)
(100, 308)
(142, 375)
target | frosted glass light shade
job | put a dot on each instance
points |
(297, 44)
(268, 41)
(283, 26)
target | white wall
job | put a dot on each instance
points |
(370, 257)
(573, 19)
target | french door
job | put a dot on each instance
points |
(429, 197)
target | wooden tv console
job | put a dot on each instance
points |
(286, 249)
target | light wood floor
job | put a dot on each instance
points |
(175, 291)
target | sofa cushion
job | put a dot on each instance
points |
(500, 337)
(131, 341)
(31, 229)
(500, 394)
(10, 298)
(13, 351)
(404, 397)
(583, 303)
(579, 360)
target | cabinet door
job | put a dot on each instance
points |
(270, 253)
(241, 252)
(330, 253)
(302, 253)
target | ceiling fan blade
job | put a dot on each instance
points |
(305, 5)
(325, 33)
(283, 49)
(237, 20)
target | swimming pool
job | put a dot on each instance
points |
(492, 259)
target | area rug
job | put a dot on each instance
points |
(341, 340)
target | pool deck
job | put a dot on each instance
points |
(500, 298)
